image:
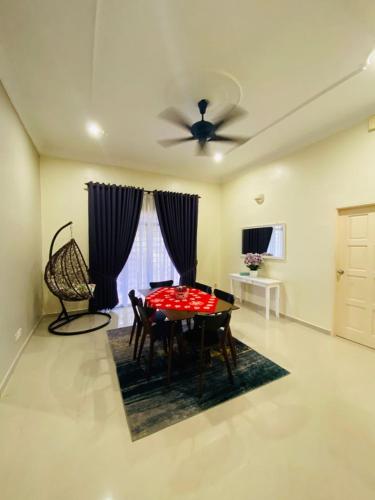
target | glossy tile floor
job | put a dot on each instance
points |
(310, 435)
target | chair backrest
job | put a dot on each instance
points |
(212, 322)
(159, 284)
(220, 294)
(143, 314)
(134, 303)
(203, 287)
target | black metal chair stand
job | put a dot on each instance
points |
(67, 277)
(64, 318)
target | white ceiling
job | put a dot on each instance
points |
(122, 62)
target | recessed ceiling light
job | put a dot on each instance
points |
(218, 157)
(370, 59)
(94, 129)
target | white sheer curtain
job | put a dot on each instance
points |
(148, 259)
(276, 244)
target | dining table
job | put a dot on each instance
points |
(176, 314)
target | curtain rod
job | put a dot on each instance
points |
(145, 190)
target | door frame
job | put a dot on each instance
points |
(351, 209)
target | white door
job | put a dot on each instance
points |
(355, 276)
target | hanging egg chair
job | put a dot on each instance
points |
(67, 277)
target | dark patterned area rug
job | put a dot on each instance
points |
(152, 406)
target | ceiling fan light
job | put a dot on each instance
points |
(218, 157)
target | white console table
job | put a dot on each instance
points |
(265, 283)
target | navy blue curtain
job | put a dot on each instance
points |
(256, 240)
(178, 219)
(114, 213)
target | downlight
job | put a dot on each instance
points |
(94, 130)
(370, 60)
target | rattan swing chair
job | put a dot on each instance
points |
(67, 277)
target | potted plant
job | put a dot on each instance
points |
(253, 261)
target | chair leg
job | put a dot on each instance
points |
(232, 348)
(150, 357)
(201, 369)
(170, 352)
(225, 354)
(141, 346)
(132, 332)
(180, 341)
(208, 359)
(165, 346)
(137, 337)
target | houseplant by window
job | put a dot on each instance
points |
(253, 261)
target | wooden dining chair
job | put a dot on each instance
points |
(228, 297)
(210, 331)
(162, 331)
(159, 284)
(153, 316)
(137, 322)
(203, 287)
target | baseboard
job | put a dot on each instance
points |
(6, 378)
(296, 320)
(307, 323)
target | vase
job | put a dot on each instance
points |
(253, 274)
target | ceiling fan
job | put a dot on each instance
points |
(204, 131)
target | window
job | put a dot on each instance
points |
(148, 259)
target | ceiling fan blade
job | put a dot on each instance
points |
(174, 116)
(230, 115)
(202, 148)
(238, 139)
(166, 143)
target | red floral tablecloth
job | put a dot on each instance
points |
(196, 300)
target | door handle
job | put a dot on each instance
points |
(340, 271)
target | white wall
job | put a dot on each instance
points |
(20, 230)
(303, 190)
(64, 199)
